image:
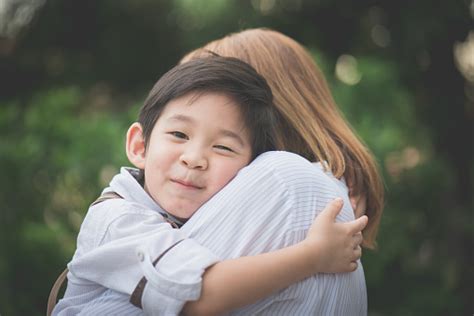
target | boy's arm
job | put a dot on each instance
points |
(328, 247)
(110, 266)
(116, 251)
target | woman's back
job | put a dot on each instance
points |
(310, 124)
(274, 214)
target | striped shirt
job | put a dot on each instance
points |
(270, 204)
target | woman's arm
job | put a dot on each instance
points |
(234, 283)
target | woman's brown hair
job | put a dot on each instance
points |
(311, 124)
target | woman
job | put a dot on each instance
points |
(272, 202)
(311, 126)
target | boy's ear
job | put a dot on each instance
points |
(135, 145)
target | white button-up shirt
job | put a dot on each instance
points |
(117, 244)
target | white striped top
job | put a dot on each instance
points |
(270, 204)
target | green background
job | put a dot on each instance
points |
(74, 73)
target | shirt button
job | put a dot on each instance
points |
(141, 256)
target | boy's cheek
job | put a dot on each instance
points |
(226, 175)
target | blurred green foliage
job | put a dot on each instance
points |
(74, 76)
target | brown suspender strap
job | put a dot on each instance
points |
(106, 196)
(136, 297)
(53, 294)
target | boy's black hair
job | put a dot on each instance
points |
(230, 76)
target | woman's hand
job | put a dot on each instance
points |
(334, 247)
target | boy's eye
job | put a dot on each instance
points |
(179, 135)
(223, 148)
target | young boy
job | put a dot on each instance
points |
(202, 122)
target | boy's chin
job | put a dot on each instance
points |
(180, 218)
(183, 215)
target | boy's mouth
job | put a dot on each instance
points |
(187, 184)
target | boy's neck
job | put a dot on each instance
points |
(139, 176)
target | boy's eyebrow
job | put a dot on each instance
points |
(224, 132)
(180, 117)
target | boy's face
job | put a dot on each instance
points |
(196, 147)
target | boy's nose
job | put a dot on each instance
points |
(194, 160)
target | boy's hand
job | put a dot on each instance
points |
(334, 247)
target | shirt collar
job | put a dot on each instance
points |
(126, 184)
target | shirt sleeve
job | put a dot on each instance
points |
(118, 250)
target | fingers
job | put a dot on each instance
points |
(333, 208)
(359, 224)
(358, 238)
(353, 266)
(357, 249)
(357, 253)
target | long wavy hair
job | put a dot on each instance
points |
(311, 123)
